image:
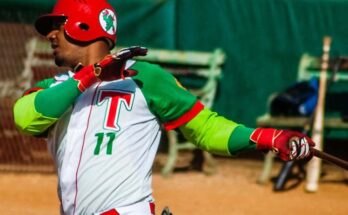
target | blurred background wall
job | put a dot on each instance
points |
(263, 39)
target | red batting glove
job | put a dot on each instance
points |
(112, 67)
(289, 145)
(111, 63)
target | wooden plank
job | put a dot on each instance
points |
(267, 120)
(195, 58)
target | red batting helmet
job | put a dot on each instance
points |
(86, 20)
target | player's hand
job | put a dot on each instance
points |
(112, 67)
(288, 145)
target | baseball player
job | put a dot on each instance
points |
(103, 119)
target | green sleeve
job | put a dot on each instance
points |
(166, 98)
(216, 134)
(36, 112)
(46, 101)
(26, 117)
(240, 140)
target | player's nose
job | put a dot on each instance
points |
(52, 35)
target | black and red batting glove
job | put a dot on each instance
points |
(288, 145)
(112, 67)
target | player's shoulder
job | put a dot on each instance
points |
(150, 72)
(61, 77)
(146, 67)
(56, 79)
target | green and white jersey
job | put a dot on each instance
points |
(105, 144)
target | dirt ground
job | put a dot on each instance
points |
(233, 189)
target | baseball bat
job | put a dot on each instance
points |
(313, 167)
(330, 158)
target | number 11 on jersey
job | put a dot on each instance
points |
(109, 142)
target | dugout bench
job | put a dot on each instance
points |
(336, 95)
(199, 72)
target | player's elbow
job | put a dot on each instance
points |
(22, 118)
(210, 132)
(27, 119)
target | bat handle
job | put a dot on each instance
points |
(332, 159)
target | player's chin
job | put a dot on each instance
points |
(58, 61)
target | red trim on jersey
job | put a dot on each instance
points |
(152, 208)
(110, 212)
(115, 212)
(185, 117)
(82, 147)
(31, 90)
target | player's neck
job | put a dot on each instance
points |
(95, 53)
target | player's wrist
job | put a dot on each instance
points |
(87, 76)
(264, 138)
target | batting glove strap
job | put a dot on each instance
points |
(110, 68)
(264, 138)
(86, 77)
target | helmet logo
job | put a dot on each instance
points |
(107, 20)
